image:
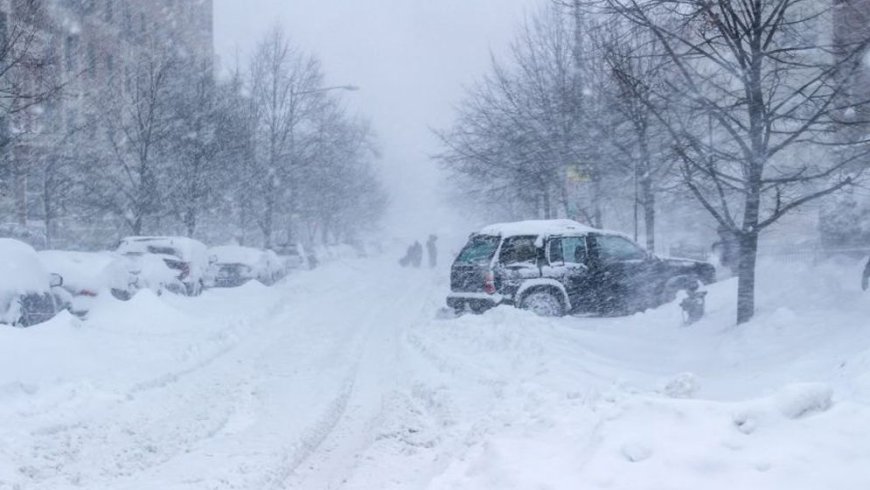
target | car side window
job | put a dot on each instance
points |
(519, 249)
(616, 249)
(556, 255)
(575, 249)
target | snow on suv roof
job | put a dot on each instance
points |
(537, 227)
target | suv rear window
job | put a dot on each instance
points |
(478, 250)
(571, 249)
(519, 249)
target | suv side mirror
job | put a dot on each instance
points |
(56, 280)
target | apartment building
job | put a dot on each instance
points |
(851, 29)
(84, 47)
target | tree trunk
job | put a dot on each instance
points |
(20, 193)
(137, 225)
(48, 210)
(190, 220)
(648, 199)
(268, 215)
(746, 276)
(597, 213)
(545, 197)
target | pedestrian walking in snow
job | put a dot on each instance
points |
(408, 259)
(865, 278)
(432, 250)
(416, 254)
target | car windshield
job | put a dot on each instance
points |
(162, 250)
(478, 250)
(233, 269)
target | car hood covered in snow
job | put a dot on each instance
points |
(21, 271)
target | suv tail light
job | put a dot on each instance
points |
(488, 283)
(88, 292)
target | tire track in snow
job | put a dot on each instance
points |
(71, 445)
(374, 378)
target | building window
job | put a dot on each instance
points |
(71, 53)
(3, 29)
(72, 120)
(128, 20)
(92, 126)
(92, 61)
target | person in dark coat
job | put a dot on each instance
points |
(416, 254)
(408, 258)
(865, 278)
(432, 250)
(728, 248)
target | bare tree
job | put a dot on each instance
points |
(342, 194)
(136, 120)
(525, 127)
(753, 108)
(284, 89)
(27, 80)
(203, 135)
(636, 69)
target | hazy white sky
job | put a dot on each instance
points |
(411, 59)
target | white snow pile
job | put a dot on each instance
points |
(344, 378)
(91, 271)
(21, 271)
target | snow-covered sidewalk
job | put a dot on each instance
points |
(343, 378)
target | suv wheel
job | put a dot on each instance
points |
(542, 303)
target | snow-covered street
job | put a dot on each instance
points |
(345, 377)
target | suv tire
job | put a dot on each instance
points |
(542, 303)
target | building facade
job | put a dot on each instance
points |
(77, 52)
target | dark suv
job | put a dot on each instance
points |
(558, 266)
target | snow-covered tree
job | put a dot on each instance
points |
(754, 108)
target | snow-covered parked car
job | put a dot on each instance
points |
(186, 258)
(293, 256)
(553, 267)
(89, 274)
(232, 266)
(28, 291)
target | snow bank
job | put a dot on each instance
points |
(343, 377)
(799, 400)
(21, 271)
(86, 270)
(643, 402)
